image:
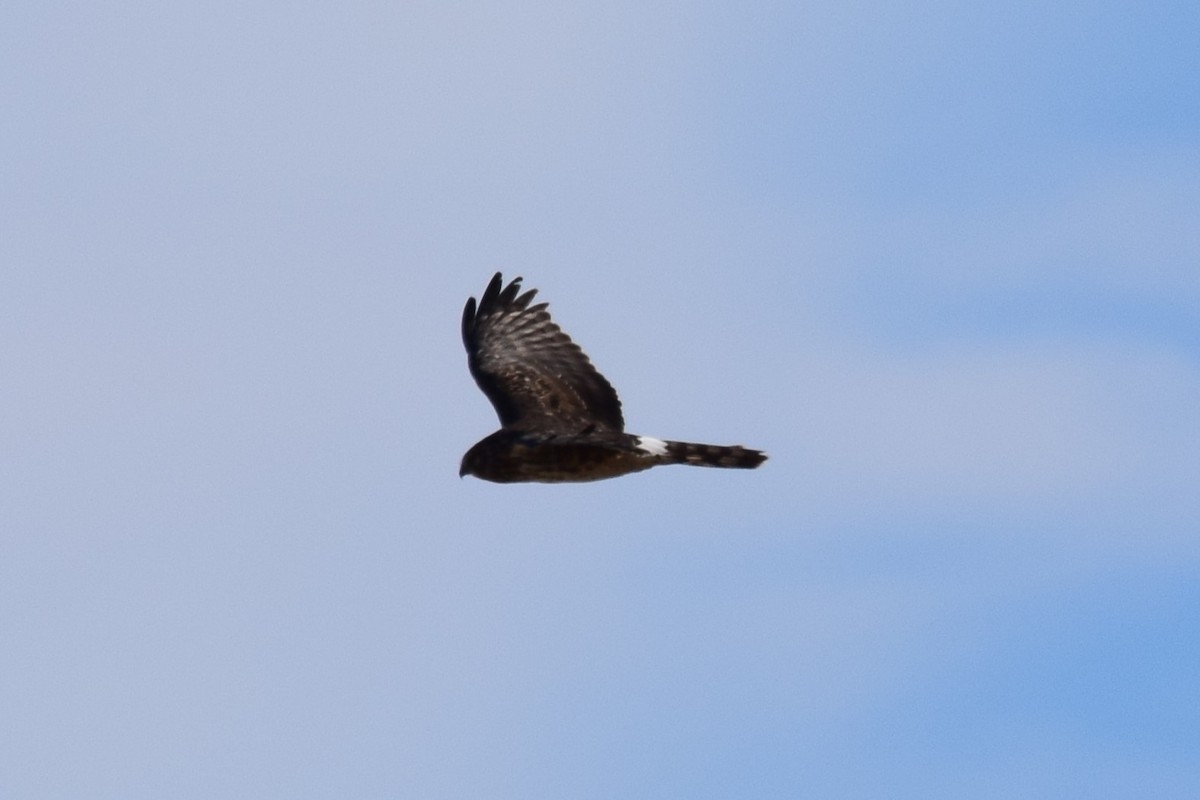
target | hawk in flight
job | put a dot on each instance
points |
(560, 420)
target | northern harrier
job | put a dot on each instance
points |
(560, 419)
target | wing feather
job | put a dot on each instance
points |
(531, 371)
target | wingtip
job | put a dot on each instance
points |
(468, 320)
(495, 295)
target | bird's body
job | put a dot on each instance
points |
(561, 420)
(509, 456)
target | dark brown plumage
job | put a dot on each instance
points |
(560, 419)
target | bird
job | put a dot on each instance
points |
(560, 419)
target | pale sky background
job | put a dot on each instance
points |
(941, 261)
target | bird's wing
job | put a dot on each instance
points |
(535, 376)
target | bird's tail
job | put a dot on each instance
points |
(713, 455)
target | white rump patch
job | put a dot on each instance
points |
(655, 447)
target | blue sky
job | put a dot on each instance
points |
(940, 261)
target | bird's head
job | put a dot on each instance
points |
(470, 462)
